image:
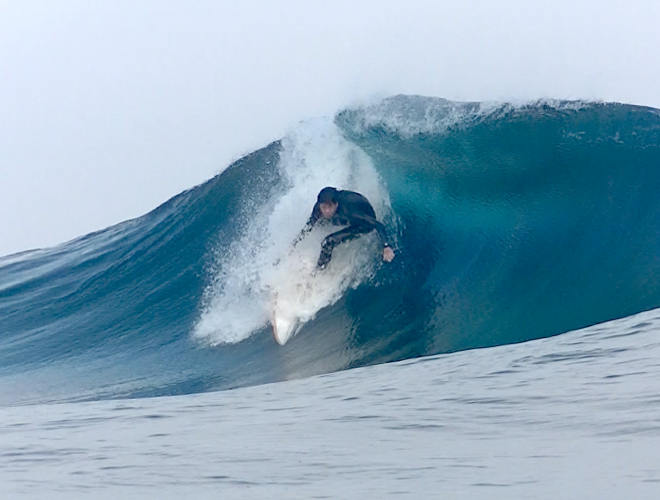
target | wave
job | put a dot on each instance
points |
(510, 223)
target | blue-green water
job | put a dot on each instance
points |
(509, 223)
(572, 416)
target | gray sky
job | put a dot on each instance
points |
(108, 108)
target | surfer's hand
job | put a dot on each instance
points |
(388, 254)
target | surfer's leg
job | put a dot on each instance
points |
(334, 239)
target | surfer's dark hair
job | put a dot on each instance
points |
(328, 195)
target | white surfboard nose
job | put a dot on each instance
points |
(283, 327)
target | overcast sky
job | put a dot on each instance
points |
(108, 108)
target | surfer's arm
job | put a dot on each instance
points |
(377, 225)
(313, 219)
(388, 253)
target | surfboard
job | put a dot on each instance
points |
(284, 323)
(292, 297)
(297, 291)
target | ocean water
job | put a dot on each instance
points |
(573, 416)
(138, 360)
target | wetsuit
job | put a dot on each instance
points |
(354, 211)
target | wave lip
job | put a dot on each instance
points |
(410, 116)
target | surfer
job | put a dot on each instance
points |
(344, 208)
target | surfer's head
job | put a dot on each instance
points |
(327, 200)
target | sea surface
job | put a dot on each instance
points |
(509, 351)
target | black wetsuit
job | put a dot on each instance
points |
(354, 211)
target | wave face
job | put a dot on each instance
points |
(510, 223)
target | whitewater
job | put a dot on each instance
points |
(508, 351)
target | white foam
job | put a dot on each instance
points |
(237, 301)
(409, 116)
